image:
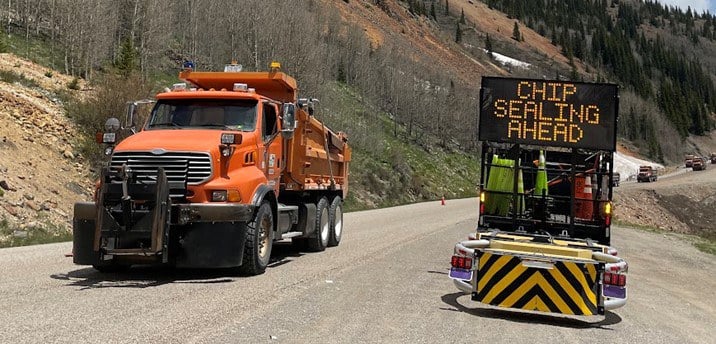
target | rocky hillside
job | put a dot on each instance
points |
(41, 176)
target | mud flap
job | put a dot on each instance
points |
(83, 231)
(556, 286)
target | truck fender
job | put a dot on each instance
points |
(266, 192)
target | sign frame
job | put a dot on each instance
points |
(544, 112)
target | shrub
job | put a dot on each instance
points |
(113, 93)
(74, 84)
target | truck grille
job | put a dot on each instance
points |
(180, 167)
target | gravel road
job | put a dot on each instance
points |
(386, 283)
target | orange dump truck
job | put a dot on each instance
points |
(226, 164)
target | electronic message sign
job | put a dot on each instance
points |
(548, 113)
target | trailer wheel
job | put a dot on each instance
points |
(259, 241)
(335, 215)
(323, 227)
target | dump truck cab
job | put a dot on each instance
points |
(647, 173)
(699, 164)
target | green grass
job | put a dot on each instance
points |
(390, 166)
(12, 77)
(35, 49)
(706, 246)
(161, 80)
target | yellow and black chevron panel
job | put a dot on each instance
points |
(564, 287)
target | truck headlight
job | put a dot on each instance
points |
(219, 196)
(225, 196)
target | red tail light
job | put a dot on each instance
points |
(461, 262)
(608, 220)
(618, 280)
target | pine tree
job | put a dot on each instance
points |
(4, 47)
(458, 33)
(462, 17)
(488, 45)
(447, 7)
(432, 10)
(127, 60)
(516, 35)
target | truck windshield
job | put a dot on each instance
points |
(204, 113)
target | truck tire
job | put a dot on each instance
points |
(335, 215)
(259, 241)
(322, 230)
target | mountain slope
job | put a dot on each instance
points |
(40, 174)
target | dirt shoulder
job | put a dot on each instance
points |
(682, 202)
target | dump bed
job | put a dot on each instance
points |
(309, 150)
(316, 157)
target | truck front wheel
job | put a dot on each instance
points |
(259, 241)
(322, 229)
(335, 214)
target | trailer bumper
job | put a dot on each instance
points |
(539, 281)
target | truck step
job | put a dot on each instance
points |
(284, 208)
(130, 252)
(290, 235)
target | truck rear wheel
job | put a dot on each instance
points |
(259, 241)
(322, 227)
(335, 215)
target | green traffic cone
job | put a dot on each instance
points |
(541, 187)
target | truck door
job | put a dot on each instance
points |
(272, 142)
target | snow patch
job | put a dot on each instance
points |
(506, 60)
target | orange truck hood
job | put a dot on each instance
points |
(172, 140)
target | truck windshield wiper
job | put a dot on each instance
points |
(165, 124)
(212, 125)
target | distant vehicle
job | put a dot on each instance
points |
(688, 160)
(713, 158)
(616, 178)
(646, 174)
(698, 164)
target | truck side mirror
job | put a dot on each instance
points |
(130, 119)
(289, 120)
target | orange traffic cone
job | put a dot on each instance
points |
(442, 201)
(584, 207)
